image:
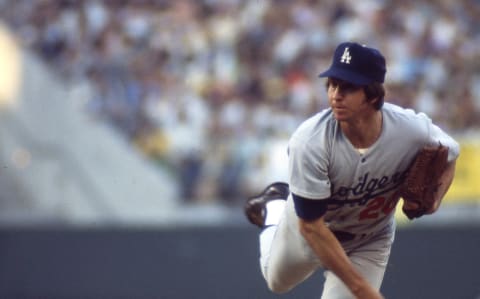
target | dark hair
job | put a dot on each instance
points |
(376, 91)
(373, 91)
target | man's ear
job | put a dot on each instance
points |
(375, 102)
(371, 101)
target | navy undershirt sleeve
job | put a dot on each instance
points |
(309, 209)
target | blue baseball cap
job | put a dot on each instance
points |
(357, 64)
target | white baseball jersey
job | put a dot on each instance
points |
(361, 188)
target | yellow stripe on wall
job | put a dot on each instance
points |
(466, 184)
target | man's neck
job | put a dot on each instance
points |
(363, 132)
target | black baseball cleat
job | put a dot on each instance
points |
(255, 207)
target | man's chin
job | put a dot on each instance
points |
(340, 116)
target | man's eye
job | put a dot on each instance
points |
(344, 87)
(347, 87)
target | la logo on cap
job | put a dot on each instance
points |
(346, 56)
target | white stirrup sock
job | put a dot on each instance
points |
(274, 211)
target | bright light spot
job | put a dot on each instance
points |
(10, 68)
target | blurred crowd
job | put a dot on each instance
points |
(212, 89)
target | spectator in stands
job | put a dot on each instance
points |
(227, 71)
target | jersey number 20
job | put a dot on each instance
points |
(377, 206)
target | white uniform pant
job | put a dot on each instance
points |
(286, 259)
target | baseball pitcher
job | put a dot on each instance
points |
(348, 167)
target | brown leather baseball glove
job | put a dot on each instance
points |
(422, 179)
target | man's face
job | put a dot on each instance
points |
(347, 100)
